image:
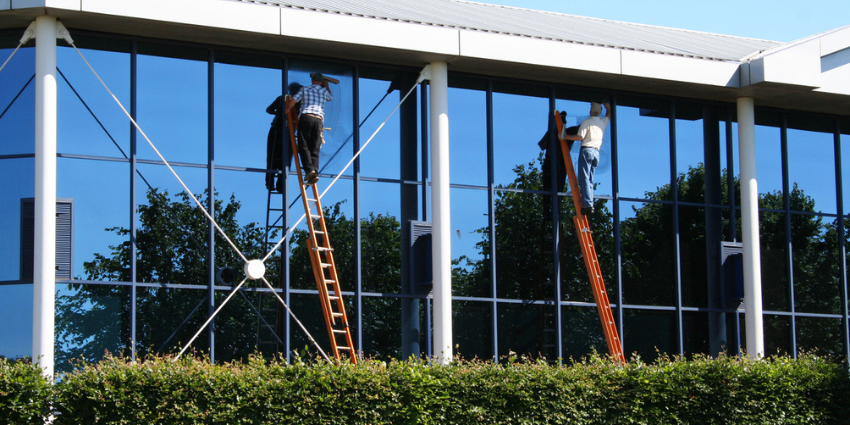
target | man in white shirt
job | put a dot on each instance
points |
(590, 134)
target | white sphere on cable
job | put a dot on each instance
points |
(255, 269)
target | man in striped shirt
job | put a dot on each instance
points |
(311, 123)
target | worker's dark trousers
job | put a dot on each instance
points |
(309, 142)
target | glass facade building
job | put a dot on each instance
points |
(146, 269)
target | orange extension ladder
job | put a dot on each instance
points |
(321, 256)
(612, 337)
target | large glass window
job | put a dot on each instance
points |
(16, 338)
(100, 193)
(18, 176)
(811, 171)
(173, 103)
(643, 147)
(90, 121)
(245, 87)
(468, 137)
(17, 102)
(649, 259)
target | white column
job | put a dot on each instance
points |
(750, 228)
(441, 213)
(44, 273)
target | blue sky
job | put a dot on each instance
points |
(777, 20)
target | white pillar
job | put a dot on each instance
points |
(441, 213)
(750, 228)
(44, 272)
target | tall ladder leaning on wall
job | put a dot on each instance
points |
(322, 259)
(591, 262)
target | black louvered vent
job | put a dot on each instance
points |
(420, 256)
(64, 238)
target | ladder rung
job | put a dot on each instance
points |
(333, 298)
(329, 281)
(339, 331)
(343, 348)
(314, 216)
(336, 314)
(321, 248)
(319, 232)
(326, 265)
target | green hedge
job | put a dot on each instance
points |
(25, 393)
(808, 390)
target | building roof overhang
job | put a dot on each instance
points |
(812, 74)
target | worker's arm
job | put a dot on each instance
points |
(607, 110)
(573, 137)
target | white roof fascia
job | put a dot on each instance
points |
(835, 61)
(54, 4)
(509, 48)
(835, 40)
(681, 69)
(217, 14)
(369, 32)
(836, 72)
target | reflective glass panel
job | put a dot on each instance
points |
(643, 147)
(819, 335)
(90, 122)
(523, 329)
(468, 137)
(695, 331)
(811, 170)
(18, 176)
(380, 230)
(99, 192)
(173, 108)
(649, 333)
(473, 329)
(581, 332)
(246, 88)
(16, 316)
(774, 261)
(92, 320)
(845, 170)
(172, 231)
(777, 334)
(469, 222)
(768, 159)
(816, 259)
(520, 122)
(17, 102)
(380, 93)
(693, 225)
(649, 259)
(381, 327)
(307, 309)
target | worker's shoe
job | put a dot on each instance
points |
(310, 177)
(587, 211)
(314, 179)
